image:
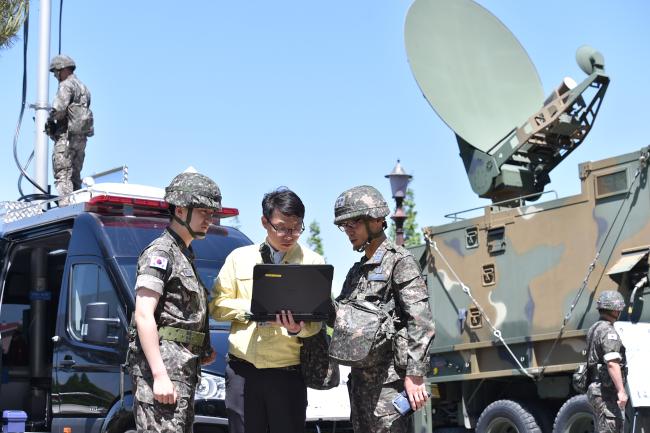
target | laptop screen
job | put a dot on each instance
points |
(305, 290)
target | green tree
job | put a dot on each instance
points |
(412, 236)
(12, 16)
(314, 241)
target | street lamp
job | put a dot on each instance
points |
(399, 181)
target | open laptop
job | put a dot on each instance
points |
(305, 290)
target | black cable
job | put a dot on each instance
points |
(60, 19)
(23, 173)
(22, 106)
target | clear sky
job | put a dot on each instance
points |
(314, 95)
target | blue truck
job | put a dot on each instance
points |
(66, 298)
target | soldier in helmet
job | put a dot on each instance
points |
(386, 274)
(170, 326)
(69, 125)
(606, 361)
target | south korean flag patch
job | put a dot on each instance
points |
(158, 262)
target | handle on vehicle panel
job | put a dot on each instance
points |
(67, 361)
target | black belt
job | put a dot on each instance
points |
(233, 358)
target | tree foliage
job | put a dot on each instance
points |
(412, 236)
(314, 241)
(12, 15)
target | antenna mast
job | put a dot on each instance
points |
(41, 144)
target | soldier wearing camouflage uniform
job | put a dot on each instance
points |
(170, 327)
(386, 273)
(606, 361)
(69, 125)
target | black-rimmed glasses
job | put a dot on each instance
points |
(283, 231)
(349, 225)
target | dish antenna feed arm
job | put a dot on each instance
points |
(519, 165)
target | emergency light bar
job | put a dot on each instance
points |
(106, 203)
(122, 200)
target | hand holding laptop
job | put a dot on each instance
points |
(285, 319)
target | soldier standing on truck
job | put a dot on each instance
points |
(69, 125)
(170, 339)
(606, 359)
(389, 276)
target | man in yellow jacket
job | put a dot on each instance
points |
(265, 390)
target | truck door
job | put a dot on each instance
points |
(87, 376)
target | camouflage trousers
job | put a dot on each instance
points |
(371, 402)
(608, 416)
(67, 159)
(152, 416)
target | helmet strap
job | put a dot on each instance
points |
(362, 248)
(186, 224)
(371, 235)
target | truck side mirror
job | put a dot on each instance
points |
(97, 324)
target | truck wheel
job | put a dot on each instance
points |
(575, 416)
(543, 415)
(506, 416)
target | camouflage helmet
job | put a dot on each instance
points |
(193, 190)
(61, 62)
(610, 300)
(360, 201)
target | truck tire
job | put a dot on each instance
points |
(543, 415)
(506, 416)
(575, 416)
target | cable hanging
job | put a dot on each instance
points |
(23, 169)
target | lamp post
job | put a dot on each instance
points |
(399, 181)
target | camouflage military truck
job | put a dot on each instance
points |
(513, 290)
(502, 284)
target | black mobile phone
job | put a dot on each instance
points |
(402, 404)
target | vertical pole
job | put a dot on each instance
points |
(399, 221)
(41, 150)
(38, 357)
(399, 181)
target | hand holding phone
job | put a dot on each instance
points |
(402, 404)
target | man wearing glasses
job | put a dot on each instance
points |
(265, 390)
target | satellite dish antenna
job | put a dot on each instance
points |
(481, 82)
(471, 69)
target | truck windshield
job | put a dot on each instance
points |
(128, 236)
(208, 271)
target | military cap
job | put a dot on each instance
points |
(360, 201)
(610, 300)
(61, 62)
(193, 190)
